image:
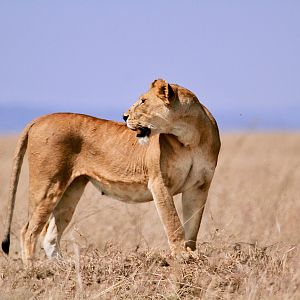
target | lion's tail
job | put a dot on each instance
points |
(14, 179)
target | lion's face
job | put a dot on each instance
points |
(153, 112)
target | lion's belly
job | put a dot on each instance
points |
(130, 193)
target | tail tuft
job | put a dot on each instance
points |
(5, 244)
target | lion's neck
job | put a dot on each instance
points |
(187, 131)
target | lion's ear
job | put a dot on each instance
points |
(163, 90)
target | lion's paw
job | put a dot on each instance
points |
(184, 256)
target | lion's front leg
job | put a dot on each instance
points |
(167, 212)
(193, 202)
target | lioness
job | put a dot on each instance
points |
(67, 150)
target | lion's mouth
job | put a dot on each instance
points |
(143, 132)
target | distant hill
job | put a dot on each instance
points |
(14, 118)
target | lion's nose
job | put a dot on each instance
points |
(125, 117)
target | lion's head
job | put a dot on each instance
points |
(154, 111)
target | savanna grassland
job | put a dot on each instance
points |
(248, 245)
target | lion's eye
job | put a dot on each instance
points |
(143, 101)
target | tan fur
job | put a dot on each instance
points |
(67, 150)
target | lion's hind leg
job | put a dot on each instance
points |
(62, 216)
(42, 204)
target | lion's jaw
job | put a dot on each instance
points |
(147, 124)
(143, 130)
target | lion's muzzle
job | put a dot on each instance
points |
(142, 131)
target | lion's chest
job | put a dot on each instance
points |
(186, 169)
(175, 172)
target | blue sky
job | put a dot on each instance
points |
(241, 58)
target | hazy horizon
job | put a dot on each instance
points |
(14, 118)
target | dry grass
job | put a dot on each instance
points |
(248, 242)
(219, 270)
